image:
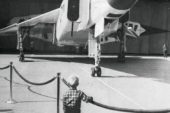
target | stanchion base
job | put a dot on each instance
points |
(11, 102)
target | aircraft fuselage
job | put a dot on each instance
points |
(90, 13)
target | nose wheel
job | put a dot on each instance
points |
(21, 57)
(94, 49)
(96, 71)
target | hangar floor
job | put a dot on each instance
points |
(139, 83)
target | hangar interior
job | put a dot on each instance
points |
(153, 15)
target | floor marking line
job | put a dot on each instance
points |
(120, 93)
(115, 90)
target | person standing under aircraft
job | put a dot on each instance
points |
(165, 50)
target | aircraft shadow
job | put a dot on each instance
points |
(155, 68)
(148, 68)
(119, 76)
(85, 60)
(6, 110)
(35, 101)
(29, 61)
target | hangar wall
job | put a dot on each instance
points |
(154, 14)
(15, 8)
(147, 12)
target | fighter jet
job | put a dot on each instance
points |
(78, 22)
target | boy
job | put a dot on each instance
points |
(72, 98)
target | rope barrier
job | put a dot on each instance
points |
(33, 83)
(29, 88)
(58, 92)
(129, 110)
(93, 102)
(4, 67)
(122, 109)
(11, 100)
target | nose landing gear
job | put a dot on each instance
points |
(95, 52)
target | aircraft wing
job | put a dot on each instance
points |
(49, 17)
(9, 30)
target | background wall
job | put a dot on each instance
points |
(14, 8)
(155, 14)
(152, 13)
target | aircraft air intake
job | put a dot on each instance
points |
(73, 10)
(122, 4)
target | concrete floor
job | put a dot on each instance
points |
(139, 83)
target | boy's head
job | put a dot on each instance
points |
(73, 80)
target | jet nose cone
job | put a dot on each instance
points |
(122, 4)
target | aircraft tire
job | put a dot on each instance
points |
(93, 71)
(21, 58)
(98, 71)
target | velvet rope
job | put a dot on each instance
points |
(4, 67)
(33, 83)
(123, 109)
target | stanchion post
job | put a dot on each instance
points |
(58, 92)
(11, 101)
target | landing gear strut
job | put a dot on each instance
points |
(122, 36)
(21, 56)
(20, 46)
(121, 56)
(95, 51)
(22, 33)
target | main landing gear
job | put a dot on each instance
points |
(97, 69)
(22, 33)
(20, 45)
